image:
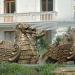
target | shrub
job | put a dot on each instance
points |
(17, 69)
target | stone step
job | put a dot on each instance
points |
(65, 71)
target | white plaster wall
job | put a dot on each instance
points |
(64, 9)
(23, 6)
(1, 6)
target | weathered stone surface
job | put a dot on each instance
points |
(65, 71)
(7, 51)
(26, 43)
(62, 52)
(23, 51)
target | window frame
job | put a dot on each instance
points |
(10, 33)
(46, 6)
(5, 6)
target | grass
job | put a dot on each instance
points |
(17, 69)
(47, 69)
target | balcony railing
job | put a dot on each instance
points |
(28, 17)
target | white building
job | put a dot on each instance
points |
(43, 14)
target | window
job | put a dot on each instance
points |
(9, 35)
(47, 5)
(9, 6)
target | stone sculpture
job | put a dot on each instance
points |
(26, 43)
(62, 52)
(24, 49)
(8, 51)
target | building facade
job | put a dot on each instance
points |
(43, 14)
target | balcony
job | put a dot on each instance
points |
(28, 17)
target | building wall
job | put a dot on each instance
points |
(1, 35)
(64, 9)
(23, 6)
(6, 36)
(1, 6)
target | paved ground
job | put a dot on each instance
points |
(68, 70)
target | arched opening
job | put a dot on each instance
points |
(9, 6)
